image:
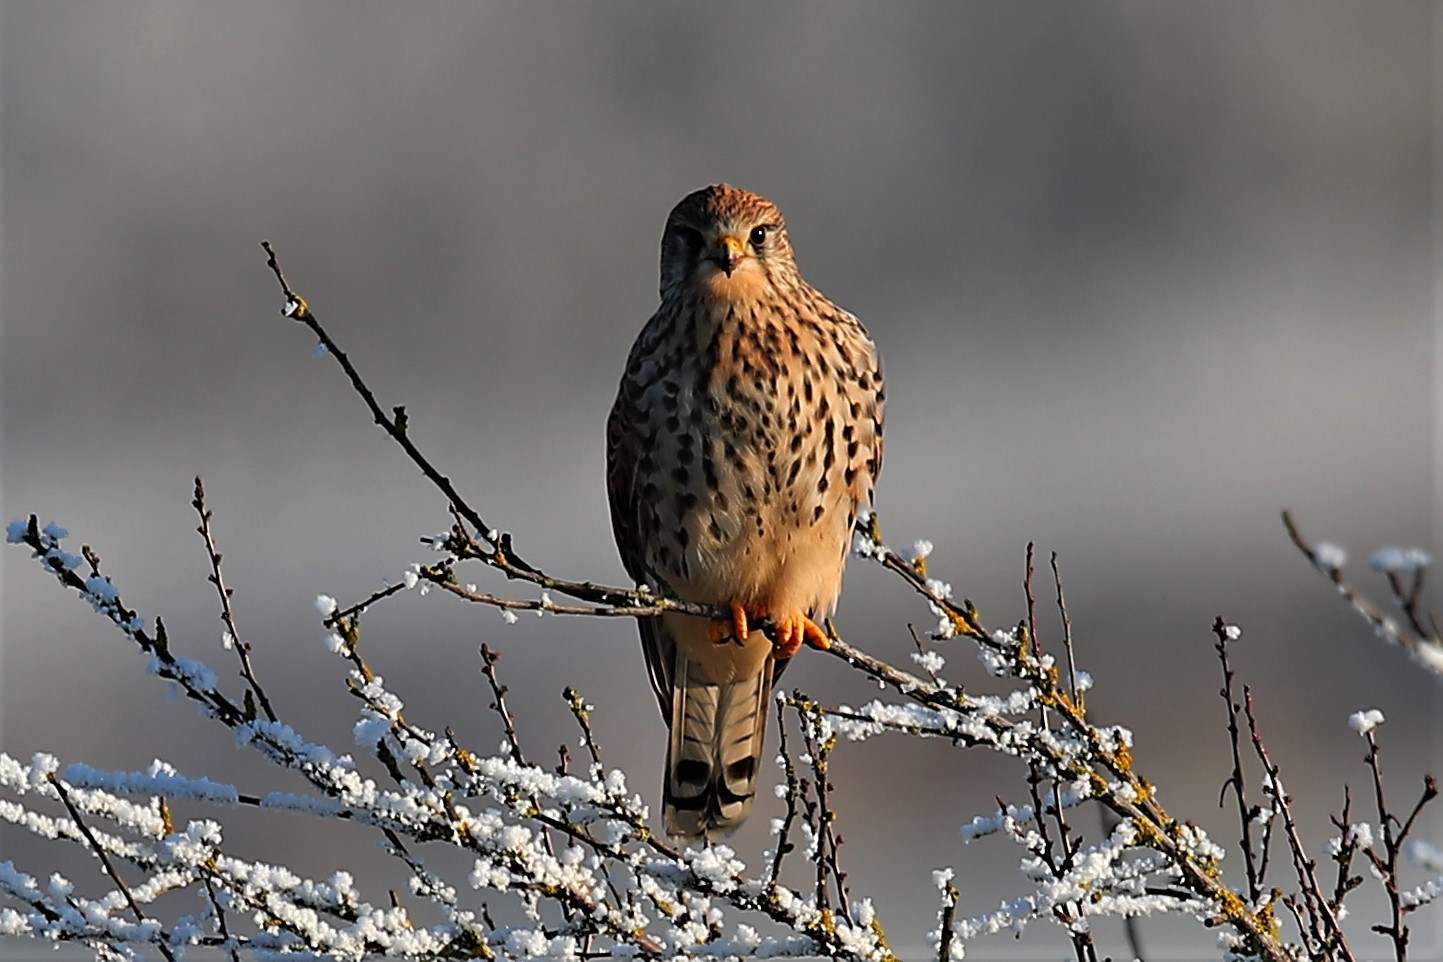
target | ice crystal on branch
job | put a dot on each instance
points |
(1364, 722)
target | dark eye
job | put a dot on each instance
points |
(758, 236)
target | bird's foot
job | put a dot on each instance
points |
(797, 629)
(734, 628)
(790, 633)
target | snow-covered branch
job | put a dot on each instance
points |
(565, 863)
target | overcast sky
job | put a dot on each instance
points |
(1142, 274)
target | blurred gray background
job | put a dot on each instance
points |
(1142, 274)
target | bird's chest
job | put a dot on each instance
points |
(746, 443)
(736, 431)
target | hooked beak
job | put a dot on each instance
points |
(728, 253)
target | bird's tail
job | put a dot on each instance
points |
(714, 758)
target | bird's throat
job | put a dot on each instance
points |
(748, 282)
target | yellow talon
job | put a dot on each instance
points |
(815, 635)
(790, 633)
(722, 629)
(797, 629)
(739, 622)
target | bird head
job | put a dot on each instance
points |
(727, 239)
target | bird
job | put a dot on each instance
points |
(745, 439)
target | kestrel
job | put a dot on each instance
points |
(745, 437)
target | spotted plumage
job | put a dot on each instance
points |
(745, 437)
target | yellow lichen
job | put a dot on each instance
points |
(881, 935)
(1147, 833)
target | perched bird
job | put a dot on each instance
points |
(745, 437)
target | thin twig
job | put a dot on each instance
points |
(793, 790)
(819, 748)
(581, 711)
(227, 616)
(498, 692)
(1031, 605)
(917, 642)
(1057, 856)
(1425, 647)
(499, 551)
(1409, 598)
(1077, 696)
(1394, 834)
(1236, 781)
(1320, 913)
(1347, 851)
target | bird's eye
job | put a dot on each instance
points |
(758, 236)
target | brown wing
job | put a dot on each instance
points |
(621, 483)
(870, 394)
(629, 526)
(878, 419)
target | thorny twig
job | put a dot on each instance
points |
(394, 424)
(793, 789)
(819, 743)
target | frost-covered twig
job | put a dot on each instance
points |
(1255, 857)
(481, 542)
(100, 853)
(489, 657)
(581, 711)
(1344, 849)
(435, 803)
(1395, 831)
(790, 790)
(818, 740)
(1323, 932)
(1096, 760)
(1422, 638)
